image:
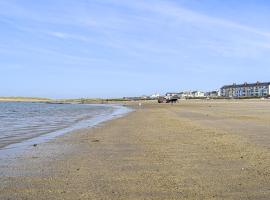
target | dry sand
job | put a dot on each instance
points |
(190, 150)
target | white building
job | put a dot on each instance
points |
(155, 96)
(185, 94)
(213, 94)
(198, 94)
(172, 94)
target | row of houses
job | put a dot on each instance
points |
(249, 90)
(246, 90)
(257, 89)
(193, 94)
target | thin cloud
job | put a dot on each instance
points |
(181, 14)
(126, 31)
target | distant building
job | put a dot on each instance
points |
(155, 96)
(246, 90)
(172, 95)
(198, 94)
(185, 94)
(145, 97)
(213, 94)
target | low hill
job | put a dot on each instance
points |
(25, 99)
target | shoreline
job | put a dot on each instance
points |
(17, 148)
(183, 151)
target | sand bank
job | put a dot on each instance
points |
(191, 150)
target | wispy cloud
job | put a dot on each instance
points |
(130, 29)
(181, 14)
(156, 27)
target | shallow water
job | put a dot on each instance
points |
(23, 121)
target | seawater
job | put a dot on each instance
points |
(24, 121)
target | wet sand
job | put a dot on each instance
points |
(190, 150)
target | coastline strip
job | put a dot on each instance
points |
(17, 148)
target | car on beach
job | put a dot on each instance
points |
(168, 99)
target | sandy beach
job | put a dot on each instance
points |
(189, 150)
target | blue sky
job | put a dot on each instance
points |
(115, 48)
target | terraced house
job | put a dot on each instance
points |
(246, 90)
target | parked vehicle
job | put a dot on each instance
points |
(161, 100)
(168, 99)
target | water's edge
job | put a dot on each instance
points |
(16, 148)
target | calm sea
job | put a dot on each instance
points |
(22, 121)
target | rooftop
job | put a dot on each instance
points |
(246, 85)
